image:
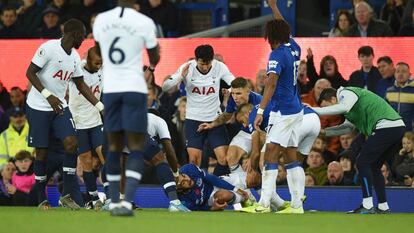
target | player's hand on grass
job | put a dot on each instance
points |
(56, 104)
(258, 121)
(184, 73)
(218, 206)
(204, 126)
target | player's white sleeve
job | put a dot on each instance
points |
(346, 100)
(42, 56)
(78, 70)
(341, 129)
(162, 128)
(174, 80)
(151, 36)
(95, 31)
(227, 76)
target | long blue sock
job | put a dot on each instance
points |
(90, 183)
(113, 169)
(105, 182)
(69, 173)
(133, 173)
(41, 181)
(166, 178)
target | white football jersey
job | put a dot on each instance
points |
(58, 68)
(157, 127)
(84, 114)
(122, 34)
(203, 103)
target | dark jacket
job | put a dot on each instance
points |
(49, 33)
(383, 85)
(30, 20)
(361, 79)
(407, 30)
(67, 11)
(375, 28)
(12, 32)
(165, 15)
(336, 81)
(401, 100)
(403, 166)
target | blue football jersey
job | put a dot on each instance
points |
(252, 116)
(254, 98)
(284, 61)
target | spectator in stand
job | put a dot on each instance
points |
(23, 180)
(28, 17)
(50, 28)
(348, 168)
(344, 20)
(401, 95)
(317, 166)
(408, 28)
(321, 144)
(387, 70)
(88, 8)
(392, 13)
(15, 137)
(179, 121)
(5, 102)
(66, 9)
(346, 141)
(304, 85)
(366, 25)
(326, 121)
(403, 165)
(408, 10)
(309, 180)
(17, 98)
(8, 29)
(335, 175)
(260, 81)
(368, 76)
(328, 70)
(6, 173)
(388, 178)
(164, 14)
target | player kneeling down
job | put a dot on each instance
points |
(200, 191)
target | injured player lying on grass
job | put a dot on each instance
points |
(200, 191)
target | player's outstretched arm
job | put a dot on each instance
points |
(171, 156)
(176, 78)
(220, 120)
(275, 9)
(341, 129)
(87, 93)
(35, 81)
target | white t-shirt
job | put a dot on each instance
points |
(203, 103)
(58, 68)
(84, 114)
(122, 34)
(157, 127)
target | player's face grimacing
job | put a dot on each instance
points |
(95, 63)
(240, 95)
(203, 66)
(326, 103)
(184, 182)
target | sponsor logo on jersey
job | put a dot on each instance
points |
(272, 64)
(63, 76)
(203, 90)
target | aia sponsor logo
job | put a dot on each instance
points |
(203, 90)
(64, 76)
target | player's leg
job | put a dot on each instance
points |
(239, 146)
(39, 122)
(219, 140)
(194, 141)
(378, 179)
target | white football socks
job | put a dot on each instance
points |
(367, 203)
(296, 183)
(268, 186)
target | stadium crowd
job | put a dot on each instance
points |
(331, 161)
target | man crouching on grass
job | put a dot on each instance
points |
(200, 191)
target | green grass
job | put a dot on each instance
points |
(59, 220)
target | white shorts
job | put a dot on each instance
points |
(242, 140)
(311, 126)
(237, 180)
(284, 129)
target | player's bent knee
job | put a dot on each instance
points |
(223, 196)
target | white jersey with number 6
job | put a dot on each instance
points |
(84, 114)
(122, 34)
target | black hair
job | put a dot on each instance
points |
(73, 25)
(204, 52)
(8, 8)
(366, 50)
(239, 82)
(348, 16)
(277, 30)
(385, 59)
(326, 95)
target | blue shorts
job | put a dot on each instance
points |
(125, 112)
(44, 123)
(216, 136)
(151, 148)
(90, 139)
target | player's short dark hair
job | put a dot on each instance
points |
(385, 59)
(277, 30)
(16, 89)
(239, 82)
(93, 51)
(73, 25)
(401, 63)
(204, 52)
(326, 95)
(8, 8)
(366, 51)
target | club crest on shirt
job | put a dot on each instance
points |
(41, 52)
(272, 64)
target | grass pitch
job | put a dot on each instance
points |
(59, 220)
